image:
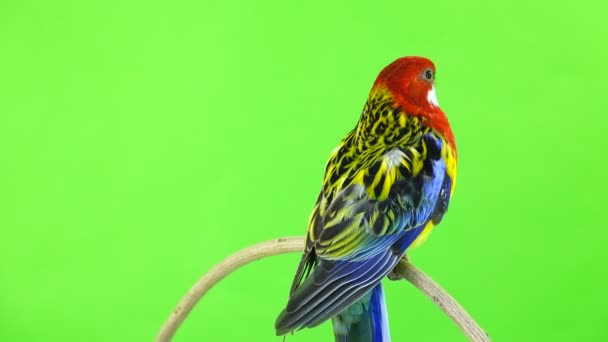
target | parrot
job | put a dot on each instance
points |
(385, 187)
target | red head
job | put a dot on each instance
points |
(410, 81)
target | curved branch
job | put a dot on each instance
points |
(439, 296)
(219, 272)
(296, 244)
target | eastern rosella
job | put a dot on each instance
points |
(386, 185)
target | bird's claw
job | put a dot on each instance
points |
(393, 275)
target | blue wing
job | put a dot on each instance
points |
(360, 239)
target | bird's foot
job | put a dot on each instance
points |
(394, 275)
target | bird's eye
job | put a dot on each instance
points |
(428, 75)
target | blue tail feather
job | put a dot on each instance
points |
(364, 321)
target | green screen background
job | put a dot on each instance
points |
(143, 141)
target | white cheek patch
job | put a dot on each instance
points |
(432, 97)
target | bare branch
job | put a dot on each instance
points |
(447, 304)
(219, 272)
(404, 270)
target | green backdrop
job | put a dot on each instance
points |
(143, 141)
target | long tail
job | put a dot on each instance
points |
(364, 321)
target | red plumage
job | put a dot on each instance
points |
(404, 79)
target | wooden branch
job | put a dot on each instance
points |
(404, 270)
(447, 304)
